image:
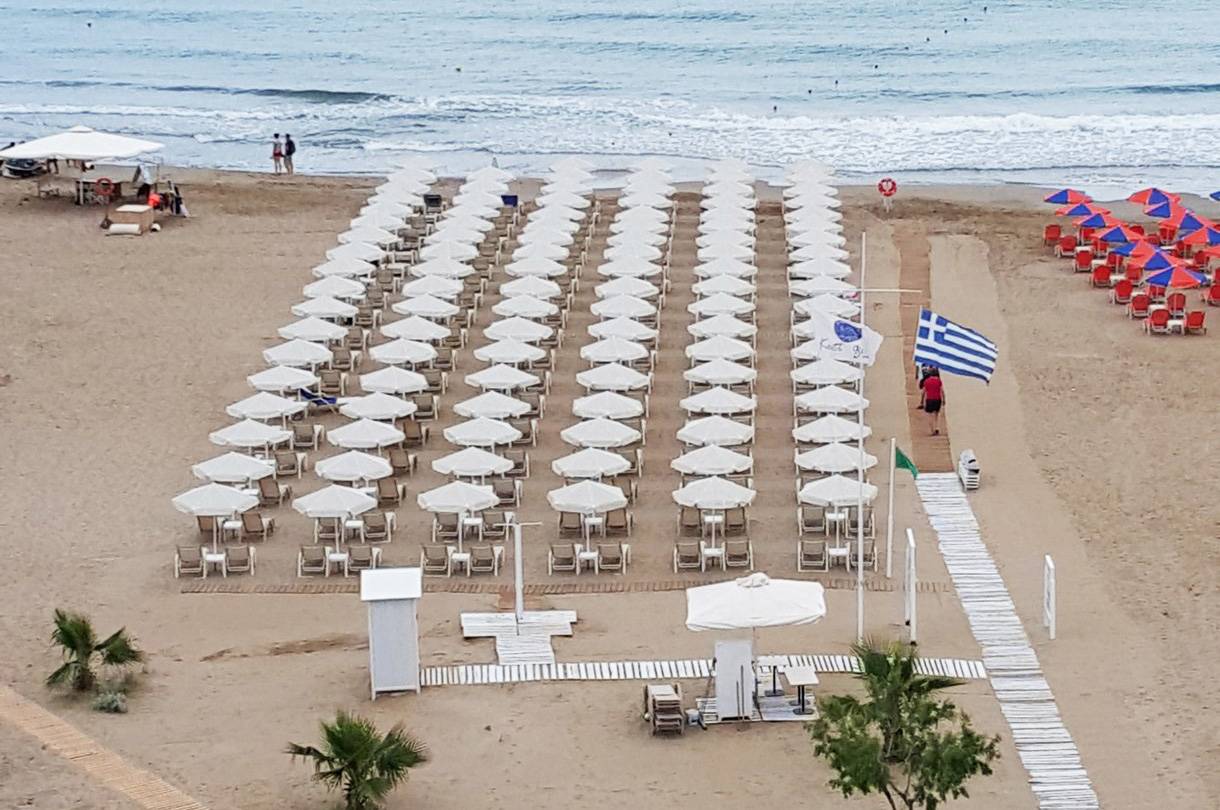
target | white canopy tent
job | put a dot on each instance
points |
(81, 143)
(754, 601)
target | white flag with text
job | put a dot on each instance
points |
(844, 340)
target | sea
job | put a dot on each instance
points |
(1116, 94)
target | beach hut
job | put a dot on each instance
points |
(392, 596)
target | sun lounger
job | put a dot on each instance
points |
(687, 556)
(402, 462)
(870, 554)
(311, 560)
(304, 435)
(1138, 308)
(434, 560)
(1194, 322)
(521, 463)
(287, 464)
(690, 522)
(561, 557)
(1157, 322)
(208, 525)
(738, 554)
(360, 557)
(239, 560)
(570, 524)
(445, 527)
(495, 524)
(811, 555)
(618, 522)
(255, 527)
(327, 530)
(375, 527)
(810, 520)
(414, 434)
(332, 382)
(390, 493)
(483, 560)
(612, 557)
(318, 402)
(628, 484)
(188, 560)
(735, 522)
(529, 432)
(271, 493)
(508, 490)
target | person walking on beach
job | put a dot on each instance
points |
(933, 398)
(290, 149)
(277, 153)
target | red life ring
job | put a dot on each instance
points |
(103, 187)
(887, 187)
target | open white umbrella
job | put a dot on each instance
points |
(403, 352)
(549, 234)
(613, 350)
(827, 303)
(426, 306)
(249, 433)
(233, 468)
(457, 498)
(830, 399)
(416, 328)
(814, 199)
(626, 328)
(542, 266)
(738, 268)
(811, 252)
(481, 432)
(525, 306)
(380, 220)
(334, 502)
(831, 428)
(393, 380)
(720, 372)
(806, 351)
(634, 216)
(534, 286)
(538, 250)
(714, 493)
(646, 235)
(364, 434)
(565, 199)
(591, 462)
(640, 199)
(448, 250)
(558, 213)
(648, 184)
(298, 354)
(602, 433)
(472, 462)
(81, 143)
(521, 329)
(214, 500)
(816, 235)
(812, 268)
(720, 304)
(719, 400)
(587, 498)
(630, 267)
(727, 217)
(315, 330)
(637, 287)
(634, 250)
(819, 285)
(715, 430)
(636, 225)
(436, 286)
(501, 377)
(348, 268)
(381, 204)
(369, 235)
(712, 460)
(612, 377)
(354, 465)
(719, 347)
(282, 378)
(725, 236)
(835, 457)
(327, 307)
(446, 268)
(725, 250)
(607, 405)
(836, 490)
(726, 285)
(754, 601)
(725, 325)
(826, 372)
(622, 306)
(339, 287)
(379, 406)
(395, 197)
(491, 405)
(264, 405)
(512, 352)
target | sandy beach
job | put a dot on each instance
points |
(121, 354)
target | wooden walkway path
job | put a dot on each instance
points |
(104, 766)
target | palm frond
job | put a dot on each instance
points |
(119, 649)
(65, 674)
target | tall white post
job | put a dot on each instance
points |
(1049, 601)
(889, 514)
(860, 465)
(518, 577)
(911, 586)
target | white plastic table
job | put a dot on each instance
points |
(586, 555)
(216, 558)
(460, 559)
(712, 553)
(801, 677)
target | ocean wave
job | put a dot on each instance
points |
(652, 16)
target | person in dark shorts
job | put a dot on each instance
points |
(933, 398)
(290, 149)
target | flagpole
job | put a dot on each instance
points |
(860, 464)
(889, 517)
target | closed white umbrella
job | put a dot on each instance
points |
(339, 287)
(809, 252)
(214, 500)
(819, 285)
(249, 433)
(315, 330)
(812, 268)
(637, 287)
(354, 465)
(297, 353)
(265, 405)
(525, 306)
(835, 457)
(379, 406)
(832, 428)
(325, 307)
(715, 430)
(836, 490)
(426, 306)
(449, 250)
(539, 250)
(282, 378)
(754, 601)
(334, 503)
(830, 399)
(719, 347)
(725, 325)
(634, 250)
(416, 328)
(403, 352)
(393, 380)
(458, 498)
(356, 250)
(472, 462)
(714, 493)
(447, 268)
(591, 462)
(502, 378)
(612, 377)
(712, 460)
(534, 286)
(826, 372)
(368, 235)
(626, 328)
(827, 303)
(645, 235)
(607, 405)
(602, 433)
(719, 400)
(739, 268)
(613, 350)
(491, 405)
(481, 432)
(233, 468)
(720, 372)
(622, 306)
(436, 286)
(720, 304)
(587, 498)
(725, 285)
(364, 434)
(630, 267)
(540, 266)
(348, 268)
(512, 352)
(521, 329)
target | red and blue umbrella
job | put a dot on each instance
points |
(1215, 195)
(1080, 210)
(1153, 196)
(1177, 277)
(1067, 196)
(1137, 249)
(1121, 233)
(1164, 210)
(1098, 221)
(1204, 236)
(1156, 260)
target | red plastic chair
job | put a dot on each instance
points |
(1084, 261)
(1101, 276)
(1167, 233)
(1157, 294)
(1086, 234)
(1158, 322)
(1138, 308)
(1199, 260)
(1177, 304)
(1113, 260)
(1211, 296)
(1121, 294)
(1194, 322)
(1138, 229)
(1134, 275)
(1066, 246)
(1099, 247)
(1051, 234)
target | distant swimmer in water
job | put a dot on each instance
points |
(774, 108)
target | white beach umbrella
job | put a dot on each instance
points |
(640, 225)
(297, 353)
(630, 267)
(808, 252)
(816, 239)
(408, 183)
(354, 465)
(587, 498)
(827, 303)
(457, 498)
(534, 286)
(264, 405)
(645, 199)
(754, 601)
(602, 433)
(334, 502)
(811, 198)
(348, 268)
(456, 249)
(591, 462)
(558, 213)
(436, 286)
(491, 405)
(808, 230)
(835, 457)
(448, 268)
(249, 433)
(726, 325)
(282, 378)
(725, 250)
(727, 218)
(809, 350)
(628, 217)
(579, 183)
(480, 197)
(720, 372)
(607, 405)
(393, 380)
(626, 328)
(626, 286)
(814, 268)
(812, 216)
(819, 285)
(565, 199)
(380, 206)
(378, 220)
(525, 306)
(726, 285)
(612, 377)
(836, 490)
(644, 235)
(720, 347)
(540, 250)
(364, 434)
(416, 328)
(712, 460)
(403, 352)
(330, 308)
(378, 405)
(315, 330)
(548, 234)
(832, 428)
(622, 306)
(648, 184)
(740, 268)
(720, 304)
(613, 350)
(471, 208)
(512, 352)
(540, 266)
(718, 430)
(826, 372)
(521, 329)
(335, 287)
(726, 186)
(634, 250)
(233, 468)
(214, 500)
(481, 432)
(426, 306)
(728, 238)
(472, 462)
(464, 226)
(502, 378)
(830, 399)
(368, 235)
(400, 196)
(356, 250)
(718, 400)
(714, 493)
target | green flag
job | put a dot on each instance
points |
(901, 460)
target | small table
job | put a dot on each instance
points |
(594, 522)
(837, 520)
(337, 557)
(586, 556)
(353, 527)
(472, 524)
(230, 526)
(459, 559)
(216, 558)
(772, 661)
(710, 522)
(712, 553)
(801, 677)
(839, 553)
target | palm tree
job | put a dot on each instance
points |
(358, 759)
(74, 634)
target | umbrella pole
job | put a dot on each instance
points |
(889, 515)
(860, 465)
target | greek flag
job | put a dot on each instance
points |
(952, 347)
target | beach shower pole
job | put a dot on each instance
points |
(519, 573)
(911, 585)
(889, 513)
(860, 464)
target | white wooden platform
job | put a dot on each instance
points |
(538, 622)
(1056, 774)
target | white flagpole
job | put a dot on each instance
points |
(889, 517)
(860, 465)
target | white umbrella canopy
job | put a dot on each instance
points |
(348, 268)
(587, 498)
(720, 372)
(720, 304)
(739, 268)
(512, 352)
(542, 266)
(808, 252)
(827, 303)
(282, 378)
(630, 267)
(547, 234)
(725, 325)
(835, 457)
(579, 183)
(634, 250)
(356, 250)
(809, 350)
(81, 143)
(313, 329)
(725, 250)
(502, 377)
(813, 268)
(335, 287)
(233, 468)
(325, 307)
(393, 380)
(354, 465)
(613, 350)
(490, 173)
(607, 405)
(648, 184)
(521, 329)
(368, 235)
(491, 405)
(754, 601)
(448, 268)
(466, 229)
(426, 306)
(812, 199)
(214, 500)
(712, 460)
(627, 285)
(626, 328)
(436, 286)
(297, 353)
(540, 250)
(826, 372)
(534, 286)
(564, 199)
(830, 399)
(525, 306)
(719, 400)
(558, 213)
(472, 462)
(249, 433)
(727, 219)
(812, 214)
(591, 462)
(836, 490)
(725, 285)
(622, 306)
(403, 352)
(481, 432)
(392, 195)
(612, 377)
(729, 237)
(628, 217)
(264, 405)
(642, 199)
(380, 205)
(714, 493)
(718, 430)
(644, 235)
(603, 433)
(407, 183)
(641, 225)
(817, 239)
(334, 503)
(719, 347)
(379, 406)
(379, 220)
(831, 428)
(416, 328)
(364, 434)
(457, 497)
(820, 285)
